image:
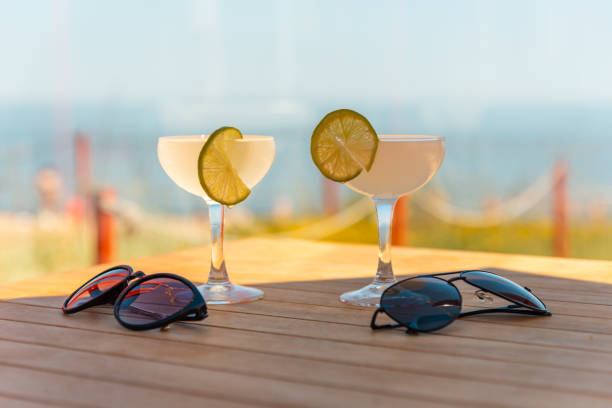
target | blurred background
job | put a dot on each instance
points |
(521, 90)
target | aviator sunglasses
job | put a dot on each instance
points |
(149, 302)
(428, 302)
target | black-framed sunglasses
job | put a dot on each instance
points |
(427, 302)
(149, 302)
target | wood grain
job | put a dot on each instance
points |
(301, 347)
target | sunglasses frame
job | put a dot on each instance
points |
(115, 295)
(111, 294)
(514, 307)
(197, 307)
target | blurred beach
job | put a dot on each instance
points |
(502, 152)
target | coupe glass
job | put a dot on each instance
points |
(403, 163)
(252, 157)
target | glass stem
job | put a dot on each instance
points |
(384, 212)
(218, 273)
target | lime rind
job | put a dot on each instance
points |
(217, 176)
(343, 144)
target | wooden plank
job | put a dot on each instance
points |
(543, 287)
(424, 359)
(423, 385)
(182, 381)
(249, 363)
(593, 322)
(360, 317)
(73, 391)
(281, 293)
(19, 401)
(575, 328)
(298, 317)
(602, 312)
(560, 323)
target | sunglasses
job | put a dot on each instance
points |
(427, 302)
(149, 302)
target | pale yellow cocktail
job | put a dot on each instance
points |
(403, 163)
(251, 156)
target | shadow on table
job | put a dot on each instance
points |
(558, 293)
(561, 295)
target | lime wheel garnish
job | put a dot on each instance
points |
(217, 175)
(343, 144)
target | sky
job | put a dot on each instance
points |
(490, 75)
(454, 53)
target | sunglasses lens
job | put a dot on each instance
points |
(154, 300)
(503, 287)
(423, 304)
(96, 287)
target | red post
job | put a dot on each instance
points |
(79, 206)
(331, 197)
(106, 225)
(401, 222)
(82, 163)
(560, 208)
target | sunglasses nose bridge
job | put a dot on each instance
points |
(138, 274)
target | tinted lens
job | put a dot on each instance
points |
(422, 303)
(154, 300)
(503, 287)
(96, 287)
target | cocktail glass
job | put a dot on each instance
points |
(251, 157)
(403, 163)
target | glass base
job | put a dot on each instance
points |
(228, 293)
(368, 296)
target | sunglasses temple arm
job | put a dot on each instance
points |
(199, 314)
(375, 326)
(507, 309)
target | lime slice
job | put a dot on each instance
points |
(343, 144)
(218, 177)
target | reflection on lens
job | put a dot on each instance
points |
(424, 303)
(153, 300)
(503, 287)
(96, 287)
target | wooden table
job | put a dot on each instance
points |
(301, 347)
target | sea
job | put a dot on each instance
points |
(493, 152)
